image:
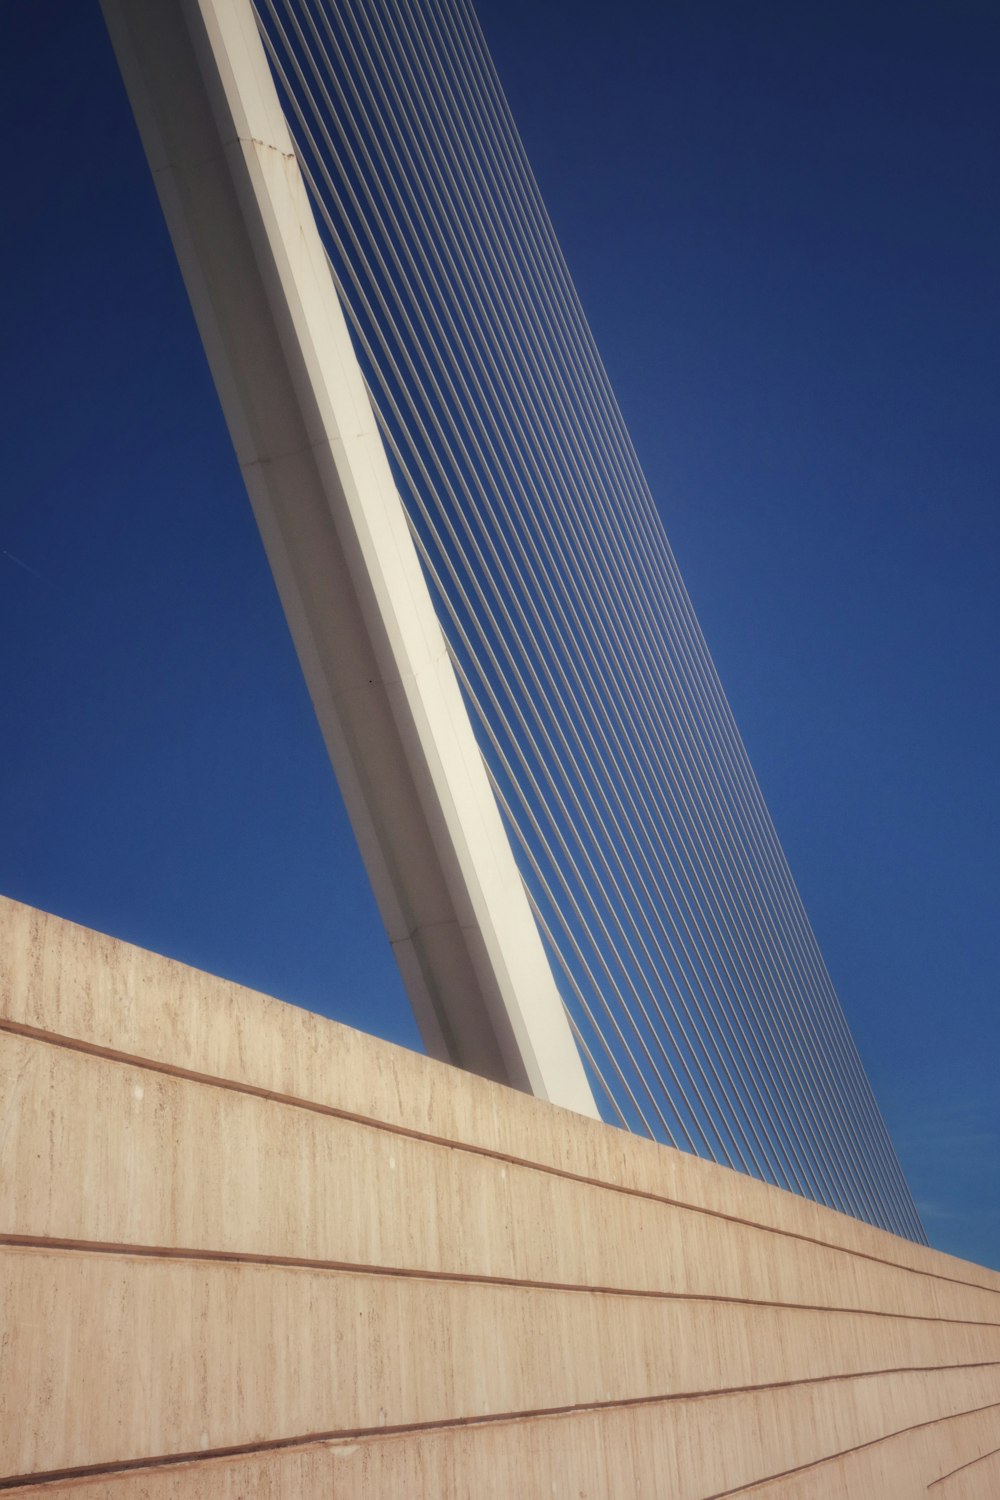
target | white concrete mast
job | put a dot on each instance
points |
(339, 545)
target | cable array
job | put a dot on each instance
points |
(692, 979)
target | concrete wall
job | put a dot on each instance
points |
(247, 1252)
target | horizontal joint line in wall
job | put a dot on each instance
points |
(359, 1434)
(190, 1075)
(887, 1437)
(64, 1245)
(981, 1459)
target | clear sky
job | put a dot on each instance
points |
(783, 222)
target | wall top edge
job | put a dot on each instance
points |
(104, 994)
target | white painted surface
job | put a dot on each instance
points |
(338, 542)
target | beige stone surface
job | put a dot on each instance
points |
(905, 1464)
(227, 1224)
(979, 1479)
(681, 1450)
(277, 1352)
(283, 1180)
(76, 983)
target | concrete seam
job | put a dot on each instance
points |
(818, 1463)
(62, 1245)
(971, 1464)
(356, 1434)
(110, 1054)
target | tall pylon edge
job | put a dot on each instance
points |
(338, 543)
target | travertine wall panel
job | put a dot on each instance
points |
(907, 1463)
(301, 1350)
(685, 1450)
(67, 980)
(226, 1224)
(979, 1479)
(282, 1180)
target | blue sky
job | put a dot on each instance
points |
(783, 226)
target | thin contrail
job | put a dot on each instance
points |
(27, 568)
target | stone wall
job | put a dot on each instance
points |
(247, 1252)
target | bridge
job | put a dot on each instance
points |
(575, 867)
